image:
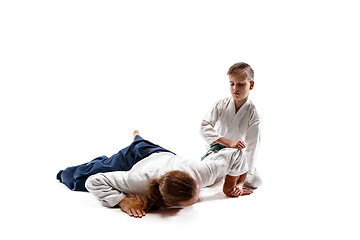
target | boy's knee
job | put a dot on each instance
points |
(253, 181)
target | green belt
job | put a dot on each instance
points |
(215, 147)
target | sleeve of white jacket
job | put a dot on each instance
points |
(239, 164)
(104, 186)
(252, 140)
(207, 130)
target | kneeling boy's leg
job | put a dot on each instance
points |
(253, 181)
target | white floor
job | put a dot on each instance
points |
(53, 211)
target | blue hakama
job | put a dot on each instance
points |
(74, 177)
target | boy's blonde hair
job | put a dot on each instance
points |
(241, 66)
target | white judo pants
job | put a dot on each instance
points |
(253, 181)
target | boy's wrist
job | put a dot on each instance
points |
(224, 141)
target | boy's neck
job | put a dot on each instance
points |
(239, 103)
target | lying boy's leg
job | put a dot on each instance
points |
(136, 151)
(74, 177)
(135, 133)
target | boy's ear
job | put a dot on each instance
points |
(252, 83)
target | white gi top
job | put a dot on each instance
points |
(222, 121)
(110, 187)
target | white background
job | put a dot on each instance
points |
(77, 77)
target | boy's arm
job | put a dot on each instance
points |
(239, 144)
(252, 140)
(207, 128)
(105, 188)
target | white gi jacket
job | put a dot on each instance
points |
(222, 121)
(110, 187)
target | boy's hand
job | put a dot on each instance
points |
(133, 206)
(239, 144)
(133, 212)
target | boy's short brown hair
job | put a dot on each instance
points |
(241, 66)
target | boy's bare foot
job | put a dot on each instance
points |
(136, 132)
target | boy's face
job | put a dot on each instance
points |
(239, 86)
